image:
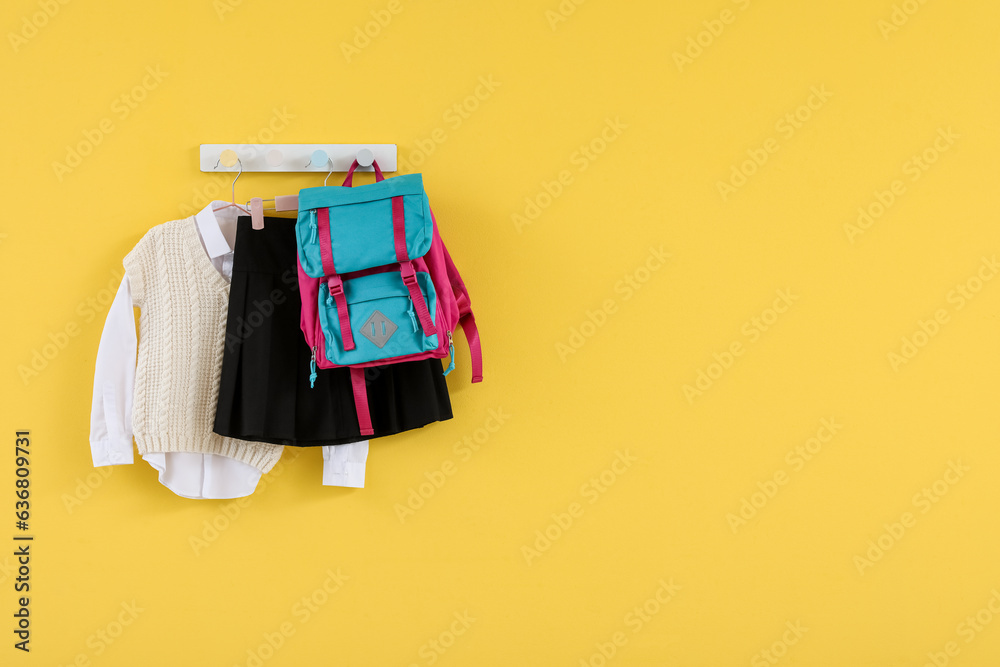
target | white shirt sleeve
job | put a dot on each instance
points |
(114, 380)
(344, 465)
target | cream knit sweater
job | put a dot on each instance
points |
(183, 303)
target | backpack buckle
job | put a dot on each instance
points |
(335, 286)
(408, 273)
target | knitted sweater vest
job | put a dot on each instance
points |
(183, 303)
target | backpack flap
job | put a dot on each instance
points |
(347, 229)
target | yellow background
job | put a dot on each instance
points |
(231, 68)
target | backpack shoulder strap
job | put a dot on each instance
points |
(468, 322)
(465, 315)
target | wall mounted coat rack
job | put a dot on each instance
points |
(295, 157)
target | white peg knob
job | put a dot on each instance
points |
(365, 157)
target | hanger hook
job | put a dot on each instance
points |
(238, 174)
(328, 175)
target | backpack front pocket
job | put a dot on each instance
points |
(383, 322)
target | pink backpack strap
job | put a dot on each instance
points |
(361, 400)
(349, 179)
(406, 269)
(399, 230)
(335, 286)
(465, 315)
(325, 247)
(468, 323)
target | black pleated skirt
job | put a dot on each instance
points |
(264, 392)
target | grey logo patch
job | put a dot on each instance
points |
(378, 329)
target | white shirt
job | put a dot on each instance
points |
(190, 475)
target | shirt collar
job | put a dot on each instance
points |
(208, 228)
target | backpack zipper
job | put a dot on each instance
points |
(451, 351)
(312, 369)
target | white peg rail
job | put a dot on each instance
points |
(296, 157)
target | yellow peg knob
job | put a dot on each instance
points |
(229, 158)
